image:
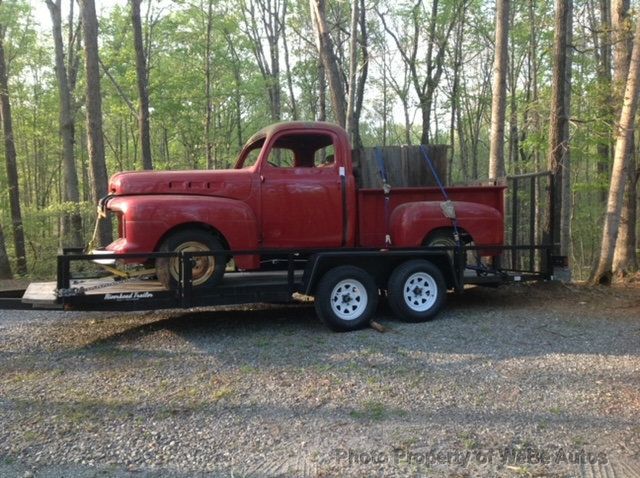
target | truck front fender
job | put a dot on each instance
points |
(412, 222)
(148, 219)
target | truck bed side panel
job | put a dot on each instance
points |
(371, 218)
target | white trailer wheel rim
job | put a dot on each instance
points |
(349, 299)
(420, 292)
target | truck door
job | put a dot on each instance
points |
(301, 192)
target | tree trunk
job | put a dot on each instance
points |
(496, 146)
(207, 89)
(329, 60)
(67, 126)
(558, 156)
(353, 68)
(143, 86)
(624, 258)
(95, 142)
(362, 77)
(603, 271)
(11, 162)
(5, 265)
(604, 78)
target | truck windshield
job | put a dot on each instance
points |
(249, 155)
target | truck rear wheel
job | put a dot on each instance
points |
(207, 271)
(346, 298)
(416, 290)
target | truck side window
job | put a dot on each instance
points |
(324, 157)
(281, 157)
(302, 151)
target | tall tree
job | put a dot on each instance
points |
(66, 76)
(5, 265)
(95, 142)
(207, 87)
(558, 157)
(499, 101)
(329, 60)
(11, 160)
(143, 85)
(603, 270)
(426, 72)
(624, 258)
(272, 15)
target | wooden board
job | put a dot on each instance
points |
(405, 165)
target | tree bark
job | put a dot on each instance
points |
(5, 265)
(353, 68)
(207, 89)
(71, 225)
(498, 106)
(330, 61)
(11, 163)
(624, 258)
(558, 157)
(603, 271)
(95, 141)
(143, 86)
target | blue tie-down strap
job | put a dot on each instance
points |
(449, 203)
(386, 188)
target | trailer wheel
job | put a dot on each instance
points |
(207, 271)
(346, 298)
(416, 291)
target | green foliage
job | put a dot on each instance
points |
(175, 37)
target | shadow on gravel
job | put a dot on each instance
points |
(481, 323)
(226, 323)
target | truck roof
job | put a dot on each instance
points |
(289, 125)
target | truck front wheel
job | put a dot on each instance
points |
(346, 298)
(416, 291)
(207, 271)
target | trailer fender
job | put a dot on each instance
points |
(412, 222)
(149, 219)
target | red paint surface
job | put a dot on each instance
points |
(263, 206)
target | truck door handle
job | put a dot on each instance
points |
(261, 178)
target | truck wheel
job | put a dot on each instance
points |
(445, 239)
(416, 291)
(207, 271)
(346, 298)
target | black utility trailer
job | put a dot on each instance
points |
(345, 283)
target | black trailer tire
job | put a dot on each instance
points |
(207, 271)
(416, 290)
(346, 298)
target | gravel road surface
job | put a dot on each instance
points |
(533, 380)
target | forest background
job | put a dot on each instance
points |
(511, 87)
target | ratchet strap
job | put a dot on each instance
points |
(448, 208)
(386, 189)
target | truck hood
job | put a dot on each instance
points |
(234, 183)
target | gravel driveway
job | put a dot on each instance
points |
(537, 380)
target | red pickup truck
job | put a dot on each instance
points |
(294, 187)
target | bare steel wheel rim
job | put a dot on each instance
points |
(420, 291)
(203, 266)
(349, 299)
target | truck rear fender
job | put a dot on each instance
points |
(413, 222)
